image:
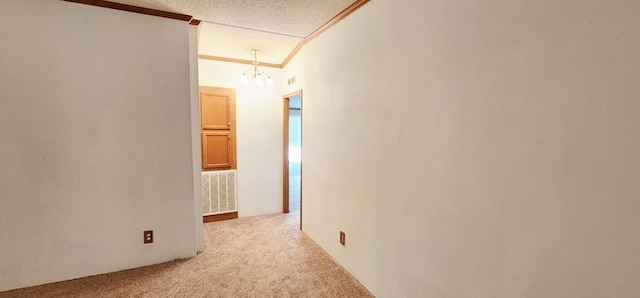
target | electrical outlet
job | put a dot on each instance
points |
(148, 237)
(342, 238)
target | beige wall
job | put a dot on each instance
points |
(95, 143)
(196, 145)
(477, 148)
(259, 135)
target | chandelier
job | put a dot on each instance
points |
(259, 77)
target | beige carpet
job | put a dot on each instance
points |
(263, 256)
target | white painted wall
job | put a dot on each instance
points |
(259, 135)
(196, 145)
(477, 148)
(96, 141)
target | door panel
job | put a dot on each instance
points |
(215, 110)
(217, 150)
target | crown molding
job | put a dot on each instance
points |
(135, 9)
(239, 61)
(339, 17)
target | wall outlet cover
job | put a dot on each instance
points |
(148, 237)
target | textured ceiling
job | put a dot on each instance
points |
(231, 42)
(233, 27)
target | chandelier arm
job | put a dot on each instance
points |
(261, 78)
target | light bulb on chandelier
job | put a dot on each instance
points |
(260, 78)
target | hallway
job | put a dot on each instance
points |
(262, 256)
(294, 194)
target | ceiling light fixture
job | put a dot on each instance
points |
(259, 77)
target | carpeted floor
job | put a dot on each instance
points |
(263, 256)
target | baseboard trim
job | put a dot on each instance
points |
(219, 217)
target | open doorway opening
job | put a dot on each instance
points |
(292, 168)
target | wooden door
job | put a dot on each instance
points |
(217, 150)
(215, 108)
(217, 118)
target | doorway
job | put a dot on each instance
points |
(292, 157)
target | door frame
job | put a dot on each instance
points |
(285, 152)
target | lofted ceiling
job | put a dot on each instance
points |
(232, 28)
